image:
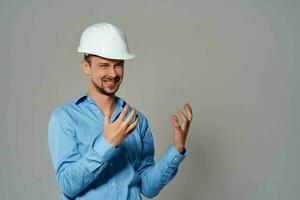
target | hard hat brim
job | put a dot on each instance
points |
(110, 56)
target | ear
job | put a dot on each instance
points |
(85, 67)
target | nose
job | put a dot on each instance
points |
(112, 72)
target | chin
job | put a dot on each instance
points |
(110, 91)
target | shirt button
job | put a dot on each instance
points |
(113, 184)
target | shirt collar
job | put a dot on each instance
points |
(119, 107)
(80, 98)
(83, 96)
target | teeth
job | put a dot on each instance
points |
(111, 82)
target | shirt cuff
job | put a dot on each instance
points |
(104, 148)
(174, 157)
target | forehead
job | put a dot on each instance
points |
(98, 59)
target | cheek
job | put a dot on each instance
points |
(97, 77)
(99, 74)
(120, 72)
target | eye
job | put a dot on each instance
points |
(119, 65)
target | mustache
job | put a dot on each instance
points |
(110, 78)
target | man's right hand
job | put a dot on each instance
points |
(117, 131)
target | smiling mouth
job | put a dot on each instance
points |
(110, 82)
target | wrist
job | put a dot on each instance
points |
(183, 152)
(112, 141)
(180, 149)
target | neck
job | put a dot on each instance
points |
(105, 103)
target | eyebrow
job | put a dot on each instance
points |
(103, 63)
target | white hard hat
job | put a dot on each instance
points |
(105, 40)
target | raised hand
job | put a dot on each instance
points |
(117, 131)
(180, 131)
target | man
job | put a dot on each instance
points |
(101, 147)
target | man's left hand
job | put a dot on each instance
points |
(180, 130)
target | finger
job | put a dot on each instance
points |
(132, 126)
(130, 117)
(184, 119)
(123, 113)
(175, 123)
(189, 111)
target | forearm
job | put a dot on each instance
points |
(76, 176)
(155, 177)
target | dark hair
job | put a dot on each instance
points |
(88, 58)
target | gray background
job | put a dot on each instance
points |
(236, 62)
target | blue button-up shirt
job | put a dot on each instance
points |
(87, 166)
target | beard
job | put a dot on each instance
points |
(101, 89)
